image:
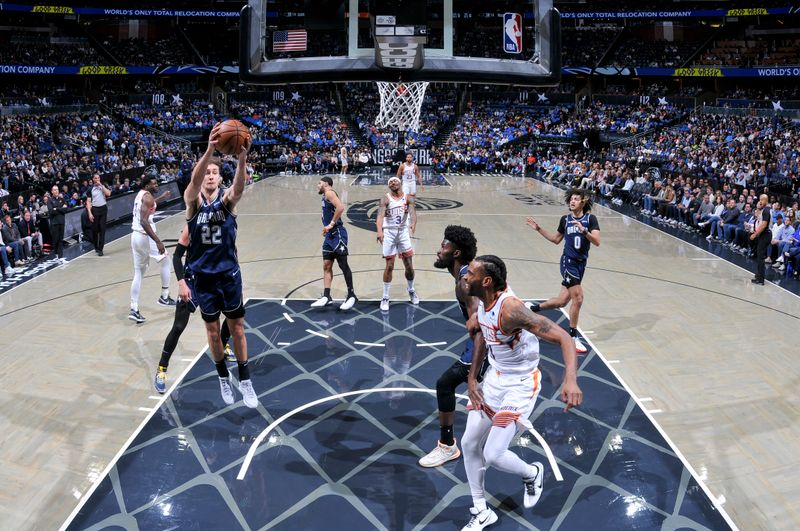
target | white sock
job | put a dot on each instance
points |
(386, 287)
(410, 284)
(164, 293)
(479, 503)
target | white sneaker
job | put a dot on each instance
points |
(385, 304)
(349, 303)
(248, 393)
(10, 271)
(225, 390)
(709, 237)
(322, 301)
(533, 486)
(579, 347)
(412, 296)
(440, 455)
(480, 519)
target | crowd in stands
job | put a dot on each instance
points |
(190, 117)
(24, 49)
(585, 45)
(752, 52)
(306, 122)
(636, 51)
(37, 151)
(704, 176)
(137, 51)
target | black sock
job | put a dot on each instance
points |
(536, 307)
(164, 362)
(222, 369)
(244, 370)
(446, 436)
(573, 332)
(327, 293)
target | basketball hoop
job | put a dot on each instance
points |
(401, 104)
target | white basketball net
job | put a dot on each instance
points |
(401, 104)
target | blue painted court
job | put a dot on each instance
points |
(352, 464)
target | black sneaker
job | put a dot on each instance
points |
(759, 281)
(134, 315)
(167, 301)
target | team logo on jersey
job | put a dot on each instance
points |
(512, 33)
(364, 214)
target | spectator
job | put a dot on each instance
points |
(29, 232)
(12, 239)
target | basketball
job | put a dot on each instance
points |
(233, 134)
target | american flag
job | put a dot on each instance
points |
(289, 41)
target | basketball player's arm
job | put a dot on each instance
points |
(400, 170)
(192, 192)
(148, 203)
(516, 316)
(419, 176)
(381, 214)
(471, 303)
(412, 210)
(163, 197)
(331, 196)
(478, 356)
(234, 193)
(593, 232)
(555, 237)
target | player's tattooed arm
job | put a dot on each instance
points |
(381, 214)
(516, 316)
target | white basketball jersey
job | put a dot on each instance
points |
(509, 354)
(396, 212)
(136, 225)
(408, 172)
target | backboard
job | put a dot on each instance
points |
(515, 42)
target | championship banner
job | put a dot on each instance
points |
(693, 13)
(69, 10)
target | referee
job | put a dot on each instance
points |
(98, 212)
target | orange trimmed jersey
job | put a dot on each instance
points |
(509, 351)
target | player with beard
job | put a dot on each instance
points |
(458, 248)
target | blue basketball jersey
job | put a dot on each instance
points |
(212, 238)
(328, 210)
(576, 244)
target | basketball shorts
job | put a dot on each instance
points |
(410, 187)
(397, 241)
(144, 248)
(334, 244)
(571, 271)
(511, 397)
(219, 293)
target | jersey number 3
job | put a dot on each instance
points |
(211, 234)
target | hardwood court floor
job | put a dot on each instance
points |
(687, 330)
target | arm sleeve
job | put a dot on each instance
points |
(593, 224)
(177, 261)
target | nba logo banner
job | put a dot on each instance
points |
(512, 33)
